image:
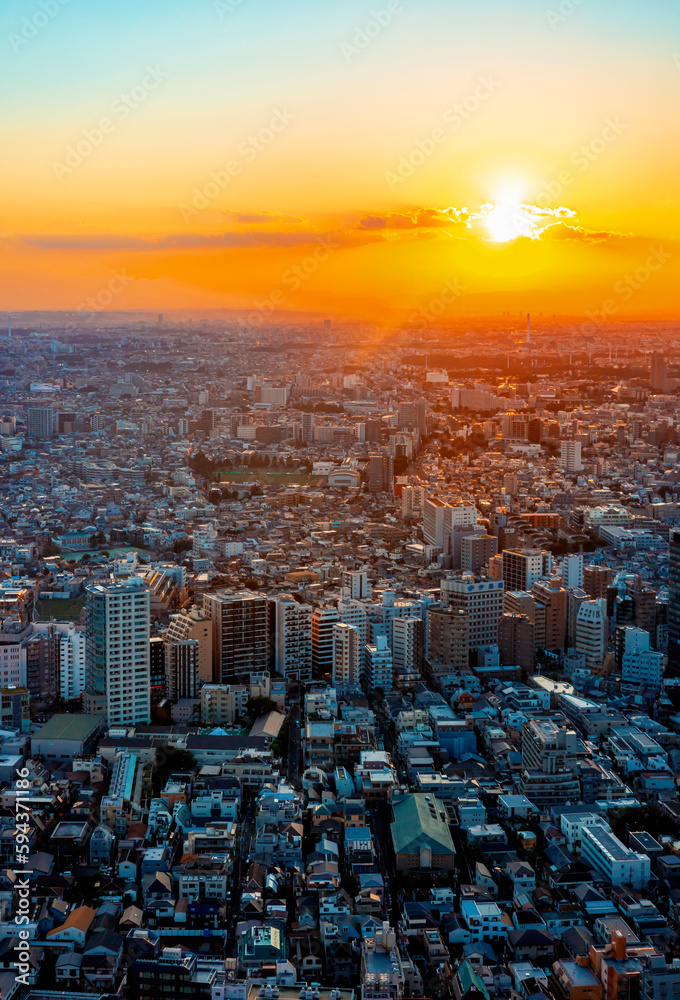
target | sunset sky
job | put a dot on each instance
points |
(341, 156)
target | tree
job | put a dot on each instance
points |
(260, 706)
(170, 759)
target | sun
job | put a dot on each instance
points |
(509, 220)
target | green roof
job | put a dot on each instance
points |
(417, 824)
(68, 727)
(469, 980)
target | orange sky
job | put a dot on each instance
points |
(255, 159)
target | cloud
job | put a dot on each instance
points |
(417, 218)
(262, 218)
(178, 241)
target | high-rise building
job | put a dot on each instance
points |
(380, 472)
(181, 669)
(378, 671)
(292, 637)
(476, 550)
(596, 580)
(658, 380)
(347, 654)
(674, 600)
(516, 641)
(448, 640)
(357, 585)
(307, 432)
(354, 613)
(413, 416)
(323, 620)
(591, 631)
(40, 421)
(551, 613)
(157, 670)
(240, 633)
(572, 570)
(408, 643)
(193, 624)
(482, 598)
(523, 567)
(440, 519)
(570, 456)
(117, 669)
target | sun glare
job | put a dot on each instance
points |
(508, 221)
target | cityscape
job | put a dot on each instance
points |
(339, 500)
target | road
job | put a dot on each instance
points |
(294, 745)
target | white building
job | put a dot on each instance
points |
(619, 865)
(293, 638)
(591, 631)
(440, 518)
(71, 660)
(572, 570)
(117, 668)
(347, 658)
(357, 585)
(407, 645)
(570, 454)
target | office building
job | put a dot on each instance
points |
(117, 668)
(240, 633)
(523, 567)
(40, 422)
(292, 623)
(482, 599)
(618, 863)
(550, 753)
(347, 654)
